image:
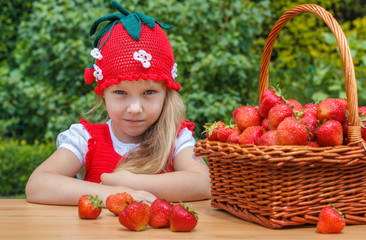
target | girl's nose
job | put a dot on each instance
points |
(134, 107)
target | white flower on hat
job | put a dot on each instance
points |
(143, 57)
(174, 70)
(98, 72)
(96, 53)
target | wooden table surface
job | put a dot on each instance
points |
(22, 220)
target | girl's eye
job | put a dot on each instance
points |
(120, 92)
(149, 92)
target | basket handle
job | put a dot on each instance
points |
(354, 129)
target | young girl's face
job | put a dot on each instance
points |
(133, 107)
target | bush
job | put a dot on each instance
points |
(17, 162)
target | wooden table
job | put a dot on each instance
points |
(22, 220)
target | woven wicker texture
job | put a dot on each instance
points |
(278, 186)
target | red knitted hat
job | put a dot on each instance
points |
(131, 47)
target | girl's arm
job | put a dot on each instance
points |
(53, 182)
(189, 182)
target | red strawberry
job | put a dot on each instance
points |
(246, 116)
(160, 210)
(135, 216)
(330, 220)
(211, 130)
(117, 202)
(295, 105)
(251, 135)
(362, 110)
(89, 207)
(269, 99)
(343, 101)
(234, 137)
(224, 133)
(277, 114)
(331, 109)
(265, 124)
(182, 218)
(311, 122)
(291, 132)
(269, 138)
(312, 144)
(310, 109)
(330, 133)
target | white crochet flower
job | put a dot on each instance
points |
(143, 57)
(174, 70)
(98, 72)
(96, 54)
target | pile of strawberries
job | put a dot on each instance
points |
(137, 216)
(277, 121)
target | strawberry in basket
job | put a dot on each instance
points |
(323, 124)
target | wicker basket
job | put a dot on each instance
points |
(278, 186)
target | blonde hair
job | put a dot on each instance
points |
(155, 150)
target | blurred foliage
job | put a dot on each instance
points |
(217, 44)
(17, 162)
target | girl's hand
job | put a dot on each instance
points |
(145, 197)
(120, 178)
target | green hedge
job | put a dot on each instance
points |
(17, 162)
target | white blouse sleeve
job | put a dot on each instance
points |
(75, 139)
(185, 139)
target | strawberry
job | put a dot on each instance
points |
(182, 218)
(234, 137)
(90, 207)
(311, 123)
(265, 124)
(330, 220)
(117, 202)
(330, 133)
(246, 116)
(269, 138)
(331, 109)
(343, 101)
(362, 111)
(251, 135)
(160, 210)
(312, 144)
(295, 105)
(211, 130)
(269, 99)
(224, 133)
(135, 216)
(291, 132)
(277, 114)
(310, 109)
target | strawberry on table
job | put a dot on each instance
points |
(160, 210)
(135, 216)
(90, 207)
(330, 220)
(117, 202)
(182, 218)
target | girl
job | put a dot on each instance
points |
(146, 147)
